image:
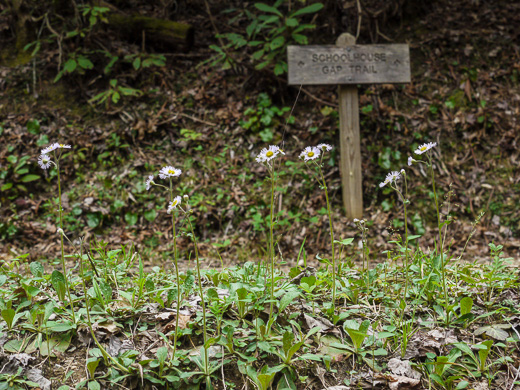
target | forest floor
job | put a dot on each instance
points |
(464, 95)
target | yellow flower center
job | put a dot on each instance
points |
(269, 154)
(174, 203)
(423, 148)
(62, 145)
(171, 171)
(310, 154)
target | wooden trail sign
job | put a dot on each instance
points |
(346, 65)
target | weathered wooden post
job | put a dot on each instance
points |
(347, 65)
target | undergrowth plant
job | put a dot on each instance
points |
(267, 157)
(228, 305)
(310, 155)
(46, 161)
(170, 173)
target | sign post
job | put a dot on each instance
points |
(347, 65)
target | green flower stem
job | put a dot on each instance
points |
(405, 246)
(176, 263)
(205, 334)
(271, 249)
(61, 240)
(105, 354)
(440, 239)
(329, 212)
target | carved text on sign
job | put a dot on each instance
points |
(356, 64)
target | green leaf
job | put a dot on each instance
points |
(267, 8)
(346, 241)
(116, 96)
(288, 338)
(29, 178)
(94, 385)
(36, 269)
(291, 22)
(462, 385)
(308, 10)
(466, 304)
(6, 186)
(60, 326)
(299, 38)
(162, 354)
(495, 330)
(150, 215)
(131, 218)
(137, 63)
(277, 42)
(70, 66)
(33, 126)
(85, 63)
(8, 316)
(287, 298)
(58, 282)
(92, 364)
(93, 219)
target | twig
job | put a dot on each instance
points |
(222, 369)
(319, 100)
(186, 116)
(360, 17)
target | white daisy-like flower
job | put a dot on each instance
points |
(324, 147)
(356, 220)
(402, 172)
(149, 182)
(45, 161)
(411, 160)
(174, 204)
(310, 153)
(169, 172)
(425, 147)
(392, 177)
(267, 154)
(55, 146)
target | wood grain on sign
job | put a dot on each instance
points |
(356, 64)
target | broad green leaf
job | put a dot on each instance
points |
(8, 316)
(466, 304)
(162, 354)
(58, 282)
(308, 10)
(496, 331)
(346, 241)
(92, 364)
(267, 8)
(29, 178)
(36, 269)
(277, 43)
(288, 297)
(94, 385)
(6, 186)
(70, 66)
(137, 63)
(291, 22)
(288, 338)
(85, 63)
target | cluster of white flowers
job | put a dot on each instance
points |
(313, 152)
(55, 146)
(392, 177)
(164, 173)
(44, 161)
(267, 154)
